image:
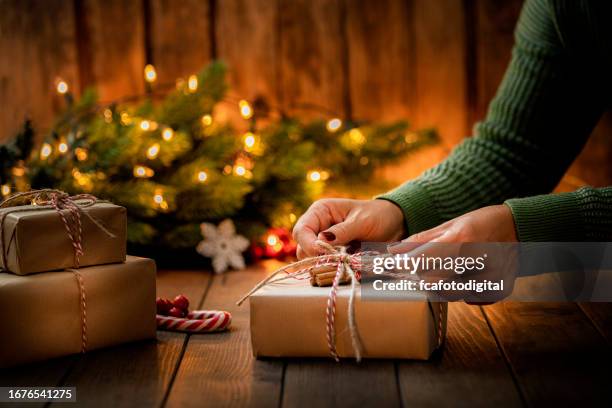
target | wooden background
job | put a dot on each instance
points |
(434, 62)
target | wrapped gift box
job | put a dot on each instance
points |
(288, 320)
(35, 239)
(42, 314)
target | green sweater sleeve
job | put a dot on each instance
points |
(543, 113)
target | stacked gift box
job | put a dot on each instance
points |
(66, 284)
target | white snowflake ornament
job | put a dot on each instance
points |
(223, 245)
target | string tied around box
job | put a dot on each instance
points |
(347, 267)
(59, 201)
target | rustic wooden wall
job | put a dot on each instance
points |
(434, 62)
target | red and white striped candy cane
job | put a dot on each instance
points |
(197, 321)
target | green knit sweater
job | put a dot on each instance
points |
(553, 93)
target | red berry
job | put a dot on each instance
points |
(181, 302)
(176, 312)
(163, 306)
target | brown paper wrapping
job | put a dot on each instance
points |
(41, 313)
(288, 320)
(36, 241)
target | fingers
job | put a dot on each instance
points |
(341, 233)
(318, 217)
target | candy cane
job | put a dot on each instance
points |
(196, 321)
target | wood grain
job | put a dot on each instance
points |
(601, 316)
(312, 57)
(112, 47)
(441, 78)
(180, 38)
(137, 372)
(469, 372)
(219, 370)
(37, 44)
(381, 59)
(557, 355)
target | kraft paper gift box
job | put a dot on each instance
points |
(288, 320)
(35, 239)
(44, 315)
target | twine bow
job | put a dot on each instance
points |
(349, 264)
(58, 200)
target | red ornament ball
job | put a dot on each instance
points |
(181, 302)
(163, 306)
(176, 312)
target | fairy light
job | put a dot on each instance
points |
(6, 190)
(245, 109)
(292, 218)
(192, 83)
(149, 73)
(167, 134)
(364, 160)
(158, 198)
(45, 151)
(108, 115)
(202, 176)
(180, 83)
(272, 239)
(333, 125)
(356, 137)
(18, 171)
(313, 176)
(153, 151)
(145, 125)
(249, 141)
(207, 120)
(62, 147)
(61, 86)
(125, 119)
(81, 153)
(240, 170)
(143, 172)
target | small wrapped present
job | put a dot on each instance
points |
(55, 314)
(303, 311)
(58, 231)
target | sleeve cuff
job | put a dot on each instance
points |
(547, 218)
(417, 206)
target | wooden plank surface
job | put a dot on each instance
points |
(556, 354)
(37, 45)
(219, 370)
(601, 316)
(313, 58)
(469, 372)
(381, 40)
(180, 38)
(112, 47)
(137, 372)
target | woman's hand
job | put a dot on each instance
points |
(340, 221)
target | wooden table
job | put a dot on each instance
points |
(508, 354)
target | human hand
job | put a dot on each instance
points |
(339, 221)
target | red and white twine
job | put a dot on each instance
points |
(197, 321)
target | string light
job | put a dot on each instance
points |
(81, 153)
(158, 198)
(292, 218)
(364, 160)
(145, 125)
(167, 134)
(18, 171)
(62, 147)
(45, 151)
(245, 109)
(274, 242)
(249, 141)
(125, 119)
(240, 170)
(202, 176)
(149, 73)
(333, 125)
(356, 137)
(317, 175)
(411, 137)
(153, 151)
(108, 115)
(61, 86)
(192, 83)
(207, 120)
(6, 190)
(143, 171)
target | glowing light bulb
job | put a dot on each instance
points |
(240, 170)
(192, 83)
(149, 73)
(143, 172)
(333, 125)
(153, 151)
(108, 115)
(202, 176)
(145, 125)
(158, 198)
(249, 141)
(272, 239)
(45, 150)
(6, 190)
(81, 153)
(356, 137)
(125, 119)
(62, 147)
(292, 218)
(313, 175)
(61, 86)
(245, 109)
(167, 134)
(207, 120)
